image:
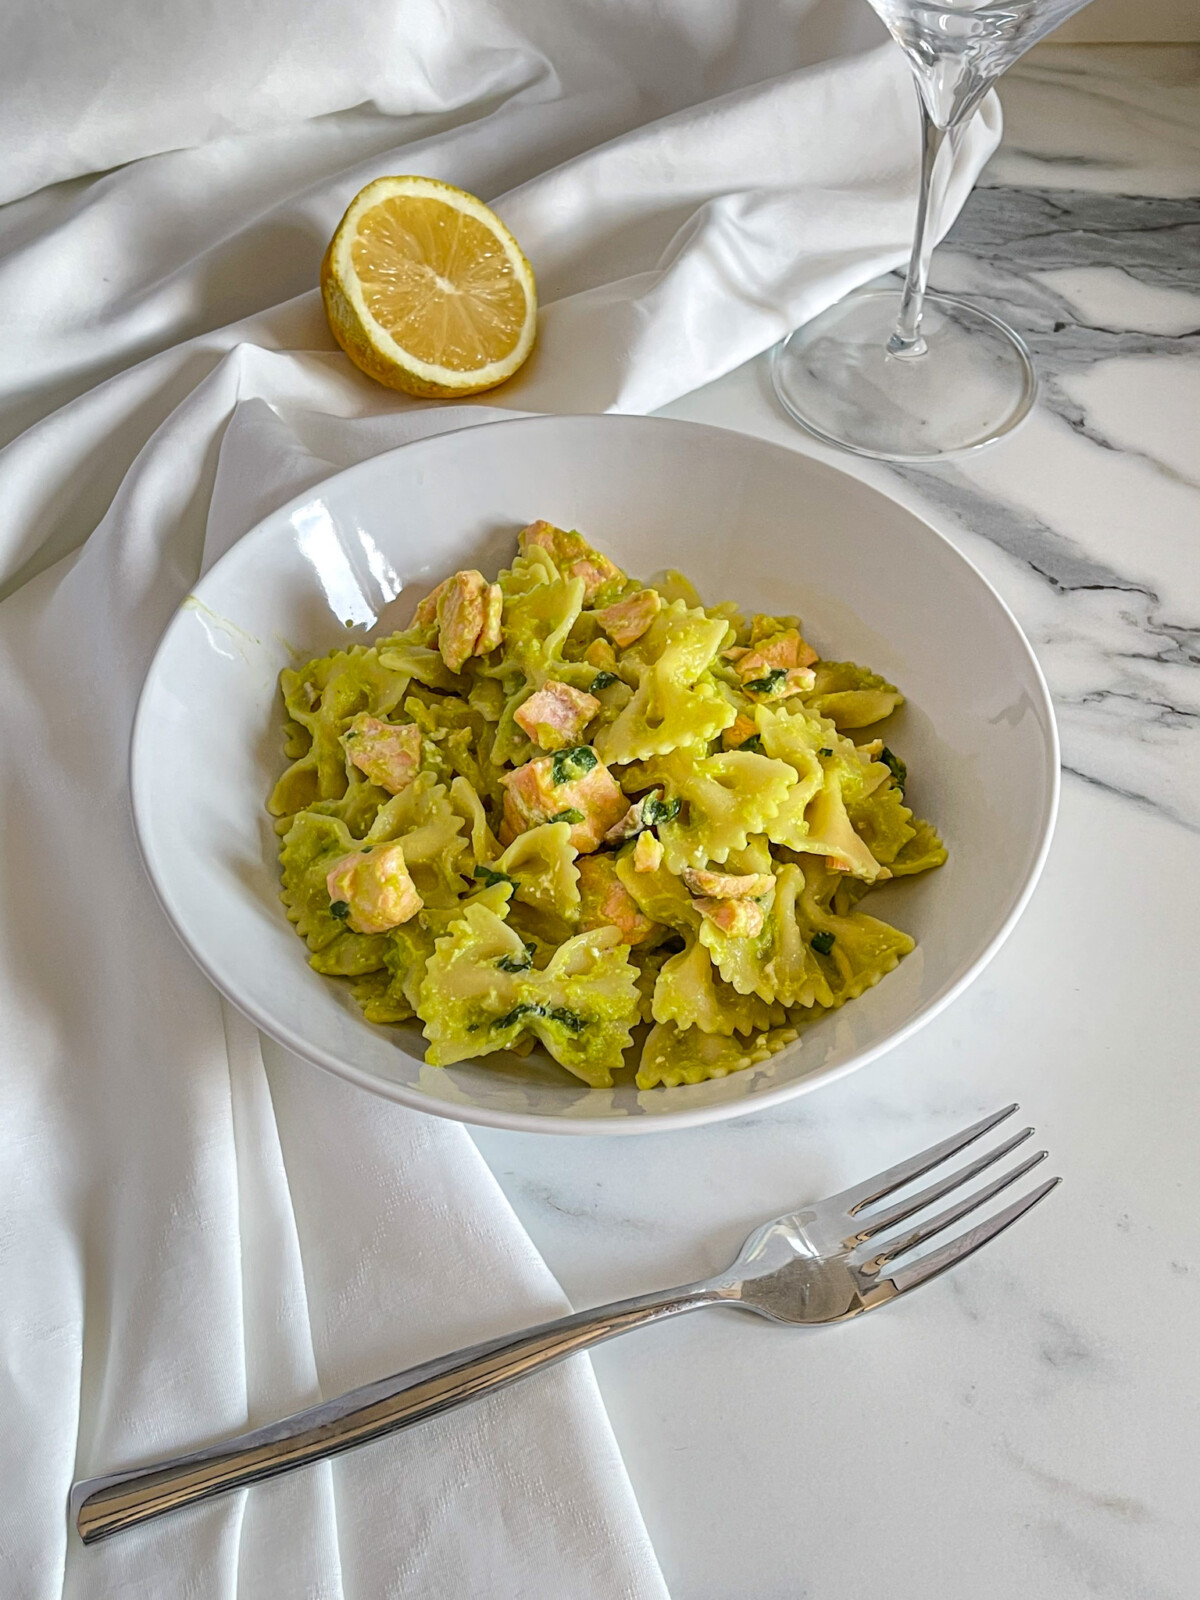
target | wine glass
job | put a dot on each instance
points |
(900, 374)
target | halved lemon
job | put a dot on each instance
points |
(427, 291)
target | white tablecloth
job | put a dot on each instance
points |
(197, 1231)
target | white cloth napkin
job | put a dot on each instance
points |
(198, 1232)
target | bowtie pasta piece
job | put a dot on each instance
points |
(923, 852)
(541, 864)
(851, 696)
(807, 954)
(673, 1056)
(321, 699)
(483, 846)
(676, 701)
(691, 993)
(478, 996)
(724, 798)
(883, 822)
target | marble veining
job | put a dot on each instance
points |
(1120, 643)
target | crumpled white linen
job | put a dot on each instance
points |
(198, 1232)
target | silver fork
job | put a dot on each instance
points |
(824, 1263)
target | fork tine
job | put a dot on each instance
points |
(967, 1243)
(866, 1193)
(883, 1220)
(892, 1249)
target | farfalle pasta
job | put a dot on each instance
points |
(569, 809)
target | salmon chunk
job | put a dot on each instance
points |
(741, 919)
(491, 634)
(556, 715)
(370, 889)
(627, 620)
(572, 555)
(727, 885)
(780, 683)
(736, 735)
(466, 610)
(571, 786)
(776, 666)
(388, 753)
(605, 901)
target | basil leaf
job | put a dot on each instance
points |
(491, 877)
(568, 1019)
(339, 909)
(655, 810)
(895, 766)
(770, 683)
(602, 680)
(566, 765)
(523, 1010)
(822, 943)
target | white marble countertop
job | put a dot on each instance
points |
(1028, 1425)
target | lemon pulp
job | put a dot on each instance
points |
(438, 281)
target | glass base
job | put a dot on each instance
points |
(974, 382)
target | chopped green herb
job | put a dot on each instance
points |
(822, 943)
(753, 743)
(770, 683)
(560, 1014)
(655, 810)
(523, 1010)
(521, 963)
(353, 734)
(566, 765)
(571, 814)
(895, 766)
(569, 1019)
(602, 680)
(491, 877)
(339, 909)
(825, 750)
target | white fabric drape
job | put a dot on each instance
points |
(198, 1232)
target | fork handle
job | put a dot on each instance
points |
(103, 1506)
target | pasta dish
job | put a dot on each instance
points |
(566, 808)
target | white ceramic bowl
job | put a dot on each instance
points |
(747, 521)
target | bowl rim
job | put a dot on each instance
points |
(580, 1123)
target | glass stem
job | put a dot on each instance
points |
(907, 340)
